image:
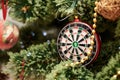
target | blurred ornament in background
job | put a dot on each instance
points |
(109, 9)
(9, 34)
(48, 41)
(44, 33)
(29, 54)
(33, 34)
(21, 44)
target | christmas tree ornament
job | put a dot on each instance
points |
(109, 9)
(79, 42)
(9, 34)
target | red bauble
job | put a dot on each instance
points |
(9, 34)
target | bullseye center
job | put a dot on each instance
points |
(75, 44)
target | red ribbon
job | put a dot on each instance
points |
(22, 72)
(4, 8)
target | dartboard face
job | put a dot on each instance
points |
(74, 41)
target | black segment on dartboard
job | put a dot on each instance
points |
(65, 36)
(81, 50)
(77, 37)
(71, 31)
(61, 54)
(85, 37)
(81, 40)
(72, 37)
(85, 53)
(82, 25)
(84, 45)
(66, 51)
(76, 51)
(85, 27)
(78, 58)
(64, 44)
(71, 25)
(79, 31)
(73, 50)
(71, 56)
(63, 31)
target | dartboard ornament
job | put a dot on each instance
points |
(74, 41)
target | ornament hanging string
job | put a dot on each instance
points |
(72, 5)
(67, 16)
(4, 8)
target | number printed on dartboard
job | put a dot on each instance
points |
(74, 41)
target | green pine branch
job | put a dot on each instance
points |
(39, 60)
(63, 72)
(110, 69)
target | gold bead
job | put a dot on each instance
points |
(86, 58)
(66, 65)
(94, 26)
(93, 31)
(92, 42)
(55, 75)
(96, 2)
(72, 64)
(95, 15)
(76, 17)
(92, 37)
(115, 76)
(77, 63)
(91, 47)
(94, 20)
(89, 53)
(90, 50)
(82, 60)
(118, 72)
(95, 9)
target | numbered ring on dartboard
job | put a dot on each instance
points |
(74, 41)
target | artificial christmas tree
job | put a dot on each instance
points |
(33, 61)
